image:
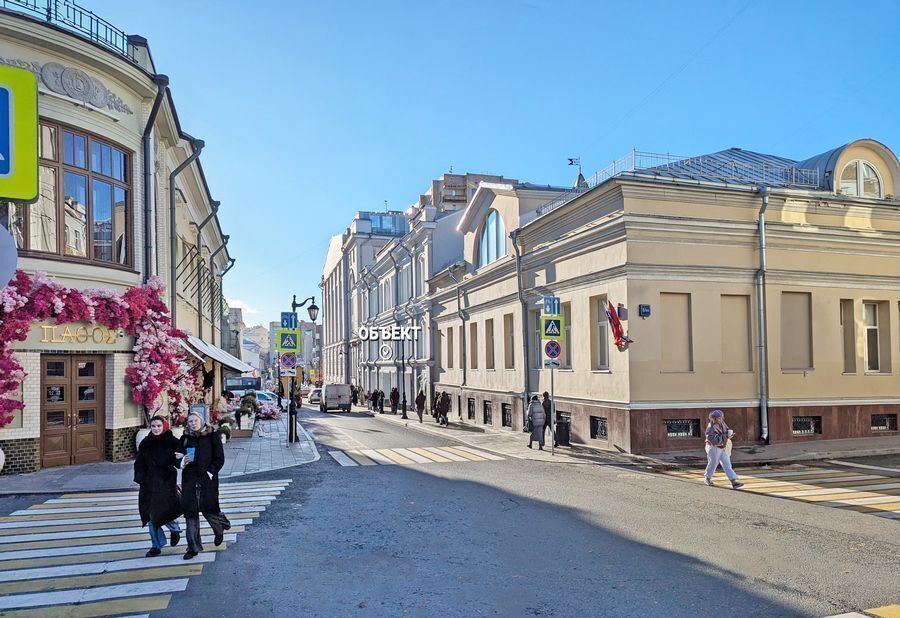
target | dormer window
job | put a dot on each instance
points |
(493, 239)
(860, 178)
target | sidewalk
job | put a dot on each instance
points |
(266, 450)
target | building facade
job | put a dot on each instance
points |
(698, 257)
(109, 138)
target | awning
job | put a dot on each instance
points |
(218, 354)
(190, 350)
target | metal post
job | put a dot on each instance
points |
(552, 414)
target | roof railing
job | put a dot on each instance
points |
(652, 164)
(74, 18)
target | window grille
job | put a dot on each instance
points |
(807, 425)
(599, 428)
(682, 427)
(506, 412)
(884, 422)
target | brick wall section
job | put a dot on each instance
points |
(23, 455)
(120, 443)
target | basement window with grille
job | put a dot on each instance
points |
(488, 413)
(806, 425)
(884, 422)
(599, 428)
(506, 412)
(470, 413)
(682, 427)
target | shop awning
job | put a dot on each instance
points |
(218, 354)
(190, 350)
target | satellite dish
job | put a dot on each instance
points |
(8, 257)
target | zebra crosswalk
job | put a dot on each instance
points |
(410, 456)
(885, 611)
(874, 494)
(82, 554)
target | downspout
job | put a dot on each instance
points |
(215, 209)
(412, 318)
(761, 320)
(462, 319)
(526, 370)
(197, 146)
(212, 308)
(401, 377)
(346, 310)
(162, 82)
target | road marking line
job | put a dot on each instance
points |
(861, 501)
(448, 454)
(30, 517)
(414, 456)
(852, 494)
(859, 465)
(125, 507)
(85, 595)
(127, 554)
(185, 569)
(432, 456)
(127, 522)
(823, 492)
(846, 485)
(342, 459)
(886, 611)
(89, 568)
(848, 615)
(873, 508)
(233, 493)
(377, 457)
(83, 534)
(484, 454)
(233, 499)
(222, 487)
(88, 549)
(100, 608)
(813, 481)
(395, 457)
(465, 454)
(360, 458)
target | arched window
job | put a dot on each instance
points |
(860, 178)
(493, 239)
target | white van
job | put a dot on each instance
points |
(335, 397)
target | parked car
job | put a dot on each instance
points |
(335, 397)
(315, 396)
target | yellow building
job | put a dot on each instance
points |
(701, 255)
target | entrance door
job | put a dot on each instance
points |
(72, 410)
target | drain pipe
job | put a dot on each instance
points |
(162, 82)
(526, 370)
(459, 312)
(761, 320)
(212, 281)
(215, 208)
(196, 146)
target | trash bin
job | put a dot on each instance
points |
(563, 428)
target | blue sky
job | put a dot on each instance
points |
(312, 111)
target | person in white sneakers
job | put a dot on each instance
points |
(717, 452)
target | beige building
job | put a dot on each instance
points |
(701, 255)
(109, 139)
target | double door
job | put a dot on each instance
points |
(72, 410)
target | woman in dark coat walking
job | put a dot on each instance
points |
(420, 404)
(203, 458)
(154, 470)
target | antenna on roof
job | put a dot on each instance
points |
(576, 161)
(385, 206)
(451, 169)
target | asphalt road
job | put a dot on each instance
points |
(524, 538)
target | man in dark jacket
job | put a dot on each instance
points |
(420, 404)
(200, 482)
(548, 413)
(395, 399)
(154, 470)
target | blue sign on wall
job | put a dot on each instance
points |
(644, 311)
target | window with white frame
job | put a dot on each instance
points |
(860, 178)
(601, 335)
(873, 354)
(567, 335)
(493, 239)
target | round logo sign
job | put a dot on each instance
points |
(386, 352)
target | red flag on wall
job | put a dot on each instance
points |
(620, 338)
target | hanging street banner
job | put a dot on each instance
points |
(287, 340)
(18, 134)
(552, 326)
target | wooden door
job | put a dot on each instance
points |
(72, 410)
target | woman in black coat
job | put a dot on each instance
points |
(200, 482)
(154, 470)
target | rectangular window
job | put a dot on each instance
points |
(884, 422)
(438, 343)
(600, 335)
(473, 345)
(489, 344)
(677, 351)
(450, 348)
(737, 348)
(806, 425)
(682, 427)
(796, 330)
(488, 413)
(848, 335)
(567, 335)
(870, 320)
(506, 411)
(509, 348)
(470, 412)
(462, 347)
(599, 428)
(12, 217)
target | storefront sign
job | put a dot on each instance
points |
(389, 333)
(77, 334)
(76, 337)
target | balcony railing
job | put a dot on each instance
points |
(74, 18)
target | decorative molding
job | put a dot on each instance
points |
(73, 83)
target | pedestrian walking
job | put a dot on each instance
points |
(203, 458)
(537, 419)
(380, 401)
(394, 399)
(717, 452)
(420, 404)
(159, 502)
(354, 395)
(368, 399)
(548, 414)
(444, 408)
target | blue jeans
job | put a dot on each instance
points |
(158, 537)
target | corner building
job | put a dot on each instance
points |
(679, 240)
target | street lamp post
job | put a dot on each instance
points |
(313, 310)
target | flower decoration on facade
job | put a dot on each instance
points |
(158, 364)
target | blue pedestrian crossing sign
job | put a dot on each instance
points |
(552, 326)
(18, 134)
(288, 320)
(287, 340)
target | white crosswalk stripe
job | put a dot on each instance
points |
(410, 456)
(84, 553)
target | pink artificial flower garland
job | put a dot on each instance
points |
(158, 357)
